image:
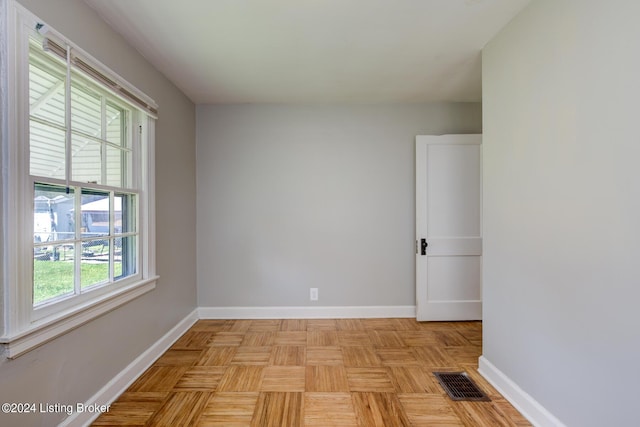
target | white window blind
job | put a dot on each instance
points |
(85, 65)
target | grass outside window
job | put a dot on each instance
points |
(55, 278)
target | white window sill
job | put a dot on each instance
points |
(40, 333)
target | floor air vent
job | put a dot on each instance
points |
(459, 386)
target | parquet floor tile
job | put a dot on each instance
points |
(320, 337)
(354, 337)
(326, 378)
(241, 378)
(418, 338)
(179, 358)
(350, 324)
(227, 339)
(464, 355)
(324, 356)
(434, 357)
(481, 414)
(211, 325)
(379, 410)
(217, 356)
(229, 409)
(290, 338)
(288, 355)
(329, 409)
(283, 378)
(278, 409)
(379, 324)
(428, 410)
(299, 325)
(360, 356)
(200, 378)
(193, 339)
(257, 339)
(241, 325)
(385, 339)
(250, 355)
(312, 372)
(403, 356)
(159, 378)
(264, 325)
(451, 339)
(370, 380)
(322, 325)
(133, 409)
(180, 409)
(412, 379)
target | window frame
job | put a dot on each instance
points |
(24, 326)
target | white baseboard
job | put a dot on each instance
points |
(310, 312)
(114, 388)
(537, 414)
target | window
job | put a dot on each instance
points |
(85, 229)
(79, 198)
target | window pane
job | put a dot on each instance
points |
(116, 125)
(95, 213)
(125, 212)
(53, 213)
(46, 86)
(52, 273)
(94, 265)
(86, 112)
(46, 151)
(118, 170)
(125, 257)
(86, 160)
(63, 252)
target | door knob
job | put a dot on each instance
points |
(423, 246)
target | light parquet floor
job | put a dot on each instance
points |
(316, 372)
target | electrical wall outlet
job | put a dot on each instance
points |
(313, 294)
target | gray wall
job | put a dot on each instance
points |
(293, 197)
(73, 367)
(562, 207)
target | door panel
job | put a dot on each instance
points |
(453, 278)
(448, 216)
(453, 208)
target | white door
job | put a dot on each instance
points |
(448, 227)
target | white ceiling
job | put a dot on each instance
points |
(314, 51)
